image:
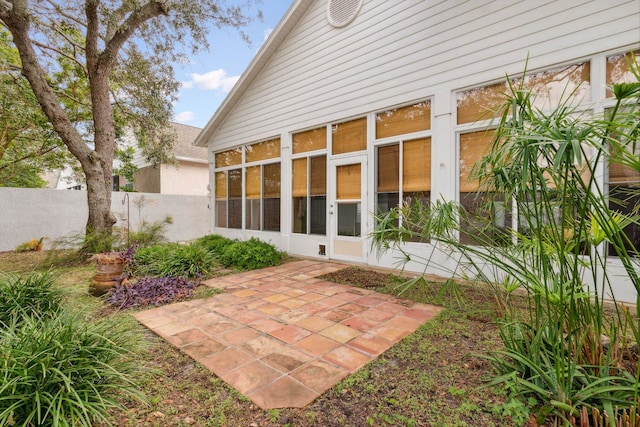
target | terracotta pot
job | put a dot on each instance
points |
(102, 283)
(112, 268)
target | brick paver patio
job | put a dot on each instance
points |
(280, 335)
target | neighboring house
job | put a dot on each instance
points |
(189, 175)
(351, 107)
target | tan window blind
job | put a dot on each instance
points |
(221, 185)
(271, 180)
(299, 177)
(479, 103)
(473, 146)
(400, 121)
(389, 168)
(618, 70)
(310, 140)
(229, 158)
(416, 165)
(235, 183)
(348, 182)
(263, 150)
(252, 182)
(621, 174)
(349, 136)
(319, 176)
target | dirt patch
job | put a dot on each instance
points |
(356, 276)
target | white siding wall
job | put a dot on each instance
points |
(396, 52)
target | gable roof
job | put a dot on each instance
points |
(184, 148)
(269, 47)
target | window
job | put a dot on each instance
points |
(548, 87)
(248, 189)
(349, 136)
(619, 71)
(271, 197)
(403, 172)
(475, 110)
(348, 198)
(404, 120)
(623, 182)
(624, 197)
(310, 183)
(482, 209)
(414, 183)
(221, 199)
(234, 206)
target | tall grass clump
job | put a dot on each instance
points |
(28, 295)
(563, 351)
(65, 370)
(173, 259)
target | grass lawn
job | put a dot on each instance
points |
(431, 378)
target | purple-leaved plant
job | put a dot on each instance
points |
(151, 291)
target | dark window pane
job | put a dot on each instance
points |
(253, 214)
(235, 213)
(221, 213)
(487, 221)
(318, 215)
(271, 216)
(299, 214)
(626, 199)
(420, 202)
(349, 219)
(386, 202)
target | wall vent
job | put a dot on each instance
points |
(342, 12)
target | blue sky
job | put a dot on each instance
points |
(210, 75)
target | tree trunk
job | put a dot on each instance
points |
(100, 221)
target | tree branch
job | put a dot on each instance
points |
(91, 42)
(59, 52)
(5, 7)
(59, 10)
(40, 152)
(129, 26)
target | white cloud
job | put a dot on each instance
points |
(216, 79)
(184, 117)
(186, 85)
(267, 33)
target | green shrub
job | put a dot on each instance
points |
(65, 371)
(22, 296)
(150, 233)
(215, 243)
(250, 255)
(174, 260)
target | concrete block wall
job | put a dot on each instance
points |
(27, 213)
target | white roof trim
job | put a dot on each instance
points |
(273, 42)
(192, 160)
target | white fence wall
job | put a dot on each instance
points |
(27, 213)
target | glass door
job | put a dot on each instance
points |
(347, 208)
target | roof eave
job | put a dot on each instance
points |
(254, 68)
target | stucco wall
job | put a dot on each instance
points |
(54, 214)
(147, 180)
(185, 178)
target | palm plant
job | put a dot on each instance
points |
(563, 351)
